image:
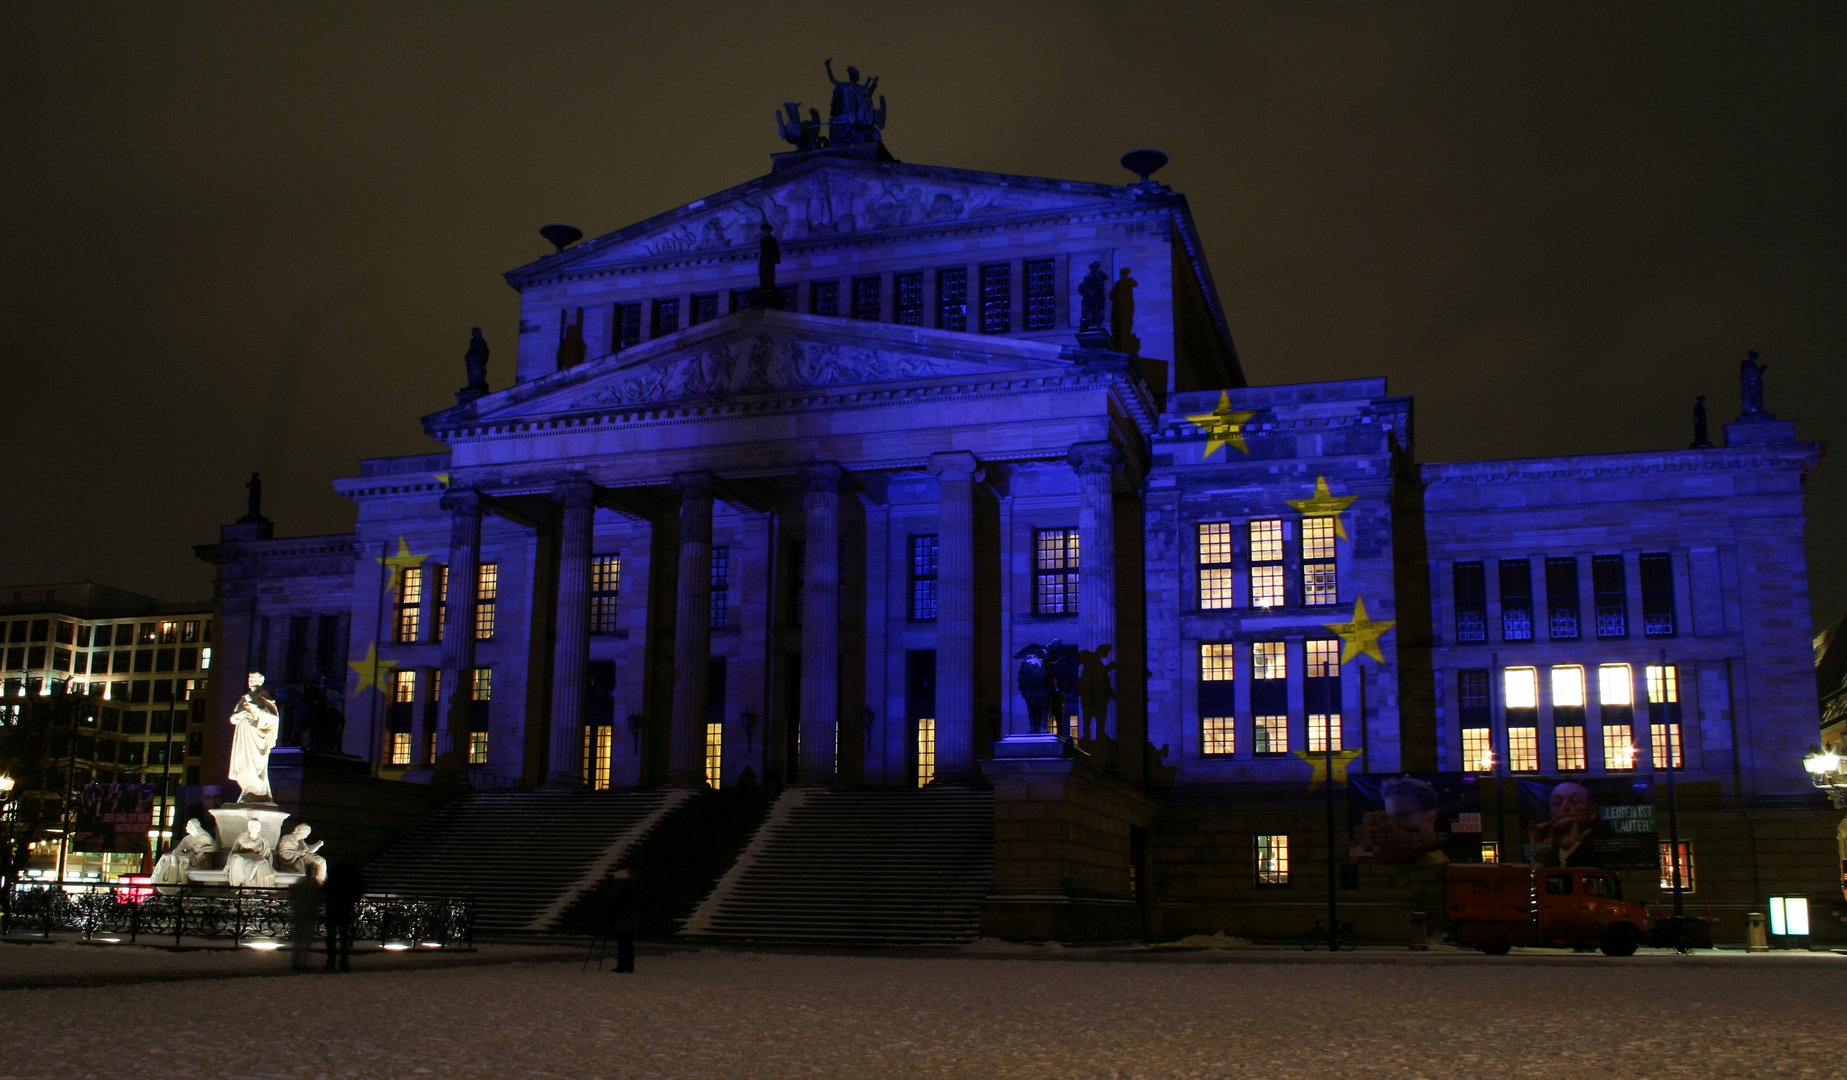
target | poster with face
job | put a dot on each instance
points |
(113, 817)
(1428, 818)
(1602, 821)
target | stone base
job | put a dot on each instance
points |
(1093, 339)
(1046, 745)
(234, 819)
(284, 878)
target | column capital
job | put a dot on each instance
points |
(575, 493)
(462, 500)
(955, 465)
(1095, 457)
(694, 484)
(825, 476)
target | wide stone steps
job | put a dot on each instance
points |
(520, 855)
(856, 867)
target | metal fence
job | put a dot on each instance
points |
(238, 916)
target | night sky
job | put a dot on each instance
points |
(251, 236)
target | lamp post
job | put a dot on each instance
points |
(1824, 769)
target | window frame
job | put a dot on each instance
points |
(1272, 860)
(952, 314)
(605, 592)
(1325, 590)
(1064, 577)
(925, 566)
(1041, 302)
(1215, 587)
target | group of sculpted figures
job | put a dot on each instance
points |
(250, 862)
(852, 118)
(1047, 703)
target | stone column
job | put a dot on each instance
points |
(692, 631)
(820, 715)
(458, 655)
(1096, 464)
(956, 474)
(571, 654)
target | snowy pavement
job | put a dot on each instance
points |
(750, 1014)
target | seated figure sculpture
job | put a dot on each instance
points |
(295, 854)
(193, 852)
(247, 865)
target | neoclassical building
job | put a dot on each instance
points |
(695, 531)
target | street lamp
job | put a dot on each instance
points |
(1824, 769)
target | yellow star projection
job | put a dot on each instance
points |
(1319, 763)
(1223, 426)
(405, 559)
(373, 672)
(1362, 634)
(1325, 503)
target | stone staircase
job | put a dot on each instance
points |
(859, 867)
(523, 856)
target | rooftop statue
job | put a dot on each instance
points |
(1122, 315)
(803, 134)
(254, 503)
(851, 119)
(255, 723)
(571, 346)
(1701, 439)
(475, 361)
(1091, 293)
(1751, 389)
(769, 253)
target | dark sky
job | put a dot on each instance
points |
(251, 236)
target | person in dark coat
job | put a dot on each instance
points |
(622, 918)
(304, 914)
(346, 886)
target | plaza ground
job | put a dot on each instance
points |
(75, 1011)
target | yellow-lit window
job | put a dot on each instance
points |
(1490, 851)
(1478, 749)
(1615, 684)
(1618, 746)
(484, 684)
(1666, 740)
(410, 604)
(439, 613)
(1323, 658)
(1270, 734)
(1569, 741)
(926, 751)
(1266, 558)
(1215, 662)
(1269, 660)
(1320, 727)
(1215, 566)
(1272, 859)
(400, 748)
(605, 592)
(1568, 687)
(1686, 865)
(487, 599)
(714, 754)
(1319, 583)
(1664, 715)
(477, 748)
(1522, 749)
(1217, 681)
(1521, 687)
(602, 749)
(169, 633)
(1218, 735)
(403, 687)
(1055, 571)
(1663, 685)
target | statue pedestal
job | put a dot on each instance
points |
(1042, 745)
(235, 818)
(284, 878)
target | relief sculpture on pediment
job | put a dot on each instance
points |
(768, 367)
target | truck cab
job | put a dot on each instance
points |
(1495, 908)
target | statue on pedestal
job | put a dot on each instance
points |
(1122, 315)
(255, 722)
(851, 116)
(1091, 293)
(475, 362)
(769, 254)
(1045, 699)
(1751, 389)
(247, 865)
(1095, 692)
(193, 852)
(1701, 439)
(297, 855)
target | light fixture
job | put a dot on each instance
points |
(396, 946)
(1824, 769)
(263, 944)
(1789, 916)
(6, 786)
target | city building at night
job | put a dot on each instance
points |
(812, 510)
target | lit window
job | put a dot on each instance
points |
(926, 750)
(1686, 865)
(598, 743)
(1615, 685)
(1616, 701)
(1471, 602)
(439, 583)
(1516, 600)
(1608, 584)
(1319, 726)
(1657, 594)
(1568, 687)
(1266, 551)
(1569, 740)
(1269, 697)
(1218, 735)
(487, 597)
(1321, 694)
(996, 299)
(484, 684)
(169, 632)
(1562, 598)
(1218, 727)
(721, 587)
(1522, 687)
(1664, 715)
(477, 748)
(605, 592)
(400, 748)
(1041, 302)
(923, 577)
(1215, 589)
(1270, 734)
(1478, 749)
(1523, 749)
(403, 687)
(1323, 657)
(1319, 586)
(714, 754)
(205, 657)
(952, 299)
(1490, 851)
(1055, 571)
(1269, 660)
(1618, 747)
(1272, 859)
(410, 604)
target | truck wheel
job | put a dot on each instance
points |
(1619, 942)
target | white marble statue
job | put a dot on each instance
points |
(247, 865)
(295, 854)
(193, 852)
(255, 723)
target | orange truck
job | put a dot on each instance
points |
(1495, 908)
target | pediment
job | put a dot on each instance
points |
(826, 199)
(756, 353)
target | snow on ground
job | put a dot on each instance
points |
(1229, 1013)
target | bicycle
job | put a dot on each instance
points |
(1319, 937)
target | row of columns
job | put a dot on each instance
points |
(957, 473)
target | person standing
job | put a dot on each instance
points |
(622, 917)
(346, 886)
(304, 914)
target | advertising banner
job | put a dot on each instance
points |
(114, 817)
(1414, 817)
(1602, 821)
